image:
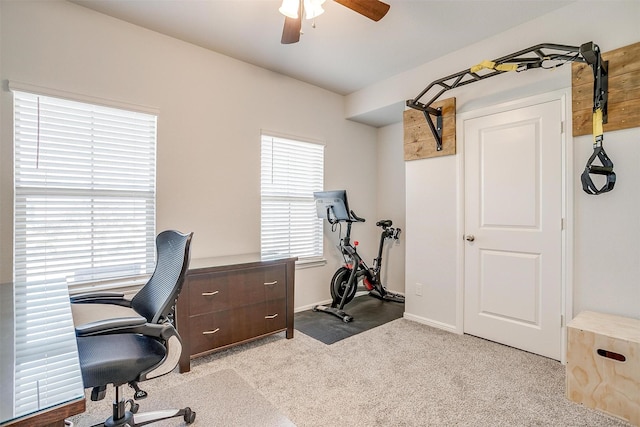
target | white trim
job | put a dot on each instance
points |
(564, 96)
(459, 327)
(292, 137)
(310, 306)
(433, 323)
(569, 219)
(73, 96)
(310, 263)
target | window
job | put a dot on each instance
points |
(84, 196)
(84, 212)
(291, 171)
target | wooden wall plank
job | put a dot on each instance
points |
(624, 91)
(419, 142)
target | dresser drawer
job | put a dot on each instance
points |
(232, 300)
(208, 292)
(275, 315)
(254, 285)
(210, 330)
(247, 322)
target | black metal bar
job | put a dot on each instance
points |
(439, 131)
(604, 90)
(591, 54)
(436, 134)
(422, 107)
(517, 58)
(432, 100)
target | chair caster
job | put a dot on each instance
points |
(134, 407)
(189, 415)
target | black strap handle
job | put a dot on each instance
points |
(606, 169)
(598, 152)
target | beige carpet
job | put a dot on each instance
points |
(219, 399)
(399, 374)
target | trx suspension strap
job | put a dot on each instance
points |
(598, 152)
(591, 53)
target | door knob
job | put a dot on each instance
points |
(470, 237)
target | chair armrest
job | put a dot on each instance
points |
(167, 333)
(111, 326)
(116, 298)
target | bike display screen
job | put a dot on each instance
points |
(332, 205)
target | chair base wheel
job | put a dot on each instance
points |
(189, 415)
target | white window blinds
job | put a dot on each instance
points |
(84, 211)
(291, 171)
(84, 191)
(46, 368)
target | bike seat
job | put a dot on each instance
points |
(384, 223)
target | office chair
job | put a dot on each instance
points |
(124, 341)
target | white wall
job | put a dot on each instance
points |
(211, 111)
(607, 230)
(606, 227)
(391, 203)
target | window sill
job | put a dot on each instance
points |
(310, 263)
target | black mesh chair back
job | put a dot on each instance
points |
(156, 300)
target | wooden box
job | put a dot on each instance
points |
(603, 364)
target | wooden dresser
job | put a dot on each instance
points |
(230, 300)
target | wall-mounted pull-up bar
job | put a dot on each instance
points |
(545, 56)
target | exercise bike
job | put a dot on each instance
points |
(333, 206)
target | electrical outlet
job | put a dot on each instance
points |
(419, 289)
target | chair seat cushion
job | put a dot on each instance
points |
(117, 359)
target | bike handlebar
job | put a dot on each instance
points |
(356, 217)
(384, 223)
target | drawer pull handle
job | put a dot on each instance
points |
(208, 294)
(210, 332)
(273, 316)
(275, 282)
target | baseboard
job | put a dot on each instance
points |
(434, 323)
(310, 306)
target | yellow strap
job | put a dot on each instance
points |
(484, 64)
(597, 123)
(492, 66)
(507, 67)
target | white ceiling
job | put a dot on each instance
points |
(346, 51)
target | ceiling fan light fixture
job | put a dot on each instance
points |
(313, 8)
(290, 8)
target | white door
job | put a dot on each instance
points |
(513, 230)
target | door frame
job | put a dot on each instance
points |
(568, 180)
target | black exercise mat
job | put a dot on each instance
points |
(367, 311)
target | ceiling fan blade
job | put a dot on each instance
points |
(291, 30)
(372, 9)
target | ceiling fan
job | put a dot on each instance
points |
(293, 10)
